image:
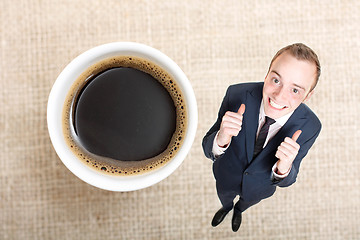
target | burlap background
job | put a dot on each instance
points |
(216, 43)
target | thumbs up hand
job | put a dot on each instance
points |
(230, 126)
(287, 152)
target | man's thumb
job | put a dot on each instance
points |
(296, 135)
(241, 109)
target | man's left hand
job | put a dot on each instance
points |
(286, 153)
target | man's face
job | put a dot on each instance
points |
(287, 85)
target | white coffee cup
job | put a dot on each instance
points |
(56, 102)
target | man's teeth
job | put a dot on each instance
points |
(275, 105)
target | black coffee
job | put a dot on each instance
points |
(124, 115)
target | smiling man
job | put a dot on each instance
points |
(263, 131)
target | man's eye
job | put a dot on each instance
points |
(295, 90)
(276, 80)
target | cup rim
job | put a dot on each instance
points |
(56, 101)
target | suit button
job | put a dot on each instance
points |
(246, 173)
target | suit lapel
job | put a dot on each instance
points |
(295, 122)
(251, 118)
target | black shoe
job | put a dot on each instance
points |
(236, 221)
(219, 217)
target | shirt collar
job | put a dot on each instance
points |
(281, 121)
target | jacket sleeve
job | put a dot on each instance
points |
(304, 148)
(208, 139)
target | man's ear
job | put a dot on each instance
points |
(308, 96)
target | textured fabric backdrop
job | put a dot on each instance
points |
(216, 43)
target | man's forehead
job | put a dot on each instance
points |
(299, 72)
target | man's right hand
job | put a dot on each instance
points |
(230, 126)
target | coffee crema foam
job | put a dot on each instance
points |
(118, 167)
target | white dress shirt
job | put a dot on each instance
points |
(273, 130)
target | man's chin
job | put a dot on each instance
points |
(276, 113)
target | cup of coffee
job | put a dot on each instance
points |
(122, 116)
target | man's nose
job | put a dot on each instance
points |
(280, 94)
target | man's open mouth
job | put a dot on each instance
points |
(275, 105)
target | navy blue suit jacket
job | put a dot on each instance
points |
(235, 170)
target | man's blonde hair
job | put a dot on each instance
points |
(301, 52)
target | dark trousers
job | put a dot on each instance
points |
(227, 197)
